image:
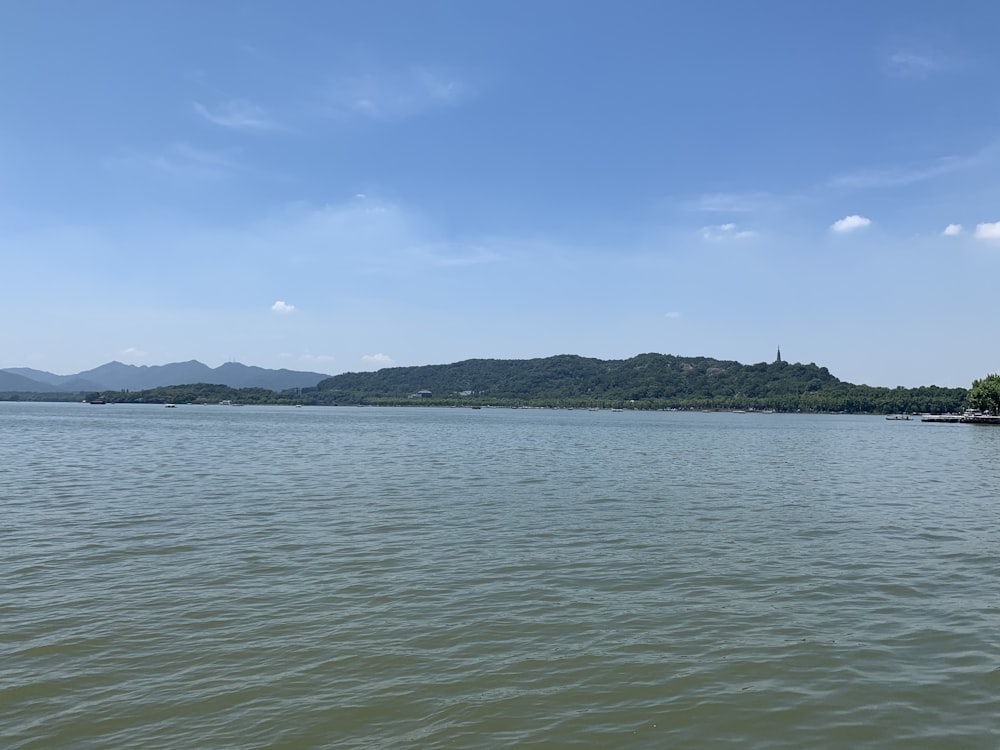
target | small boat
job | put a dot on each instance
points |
(899, 418)
(98, 401)
(171, 406)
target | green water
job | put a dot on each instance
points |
(220, 577)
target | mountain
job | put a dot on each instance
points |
(64, 383)
(39, 375)
(236, 375)
(116, 376)
(17, 383)
(74, 384)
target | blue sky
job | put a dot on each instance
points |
(339, 186)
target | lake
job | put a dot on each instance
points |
(276, 577)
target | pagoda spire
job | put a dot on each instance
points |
(778, 358)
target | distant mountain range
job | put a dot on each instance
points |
(116, 376)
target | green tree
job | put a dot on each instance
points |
(985, 394)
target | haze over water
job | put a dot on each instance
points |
(259, 577)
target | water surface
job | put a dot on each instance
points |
(264, 577)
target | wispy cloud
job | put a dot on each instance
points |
(370, 234)
(901, 174)
(379, 360)
(724, 232)
(307, 357)
(731, 202)
(363, 236)
(132, 351)
(909, 64)
(952, 230)
(452, 254)
(988, 231)
(238, 114)
(850, 224)
(183, 161)
(672, 315)
(390, 95)
(282, 308)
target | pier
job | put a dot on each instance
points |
(962, 418)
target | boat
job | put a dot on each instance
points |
(98, 401)
(171, 406)
(899, 418)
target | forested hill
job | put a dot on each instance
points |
(648, 380)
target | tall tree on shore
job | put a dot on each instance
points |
(985, 394)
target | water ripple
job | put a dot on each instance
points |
(369, 578)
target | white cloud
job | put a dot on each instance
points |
(732, 202)
(988, 231)
(381, 360)
(910, 64)
(317, 357)
(850, 223)
(725, 232)
(369, 236)
(452, 254)
(672, 315)
(282, 308)
(895, 175)
(185, 162)
(236, 113)
(952, 230)
(395, 94)
(132, 351)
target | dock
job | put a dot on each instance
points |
(963, 419)
(981, 419)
